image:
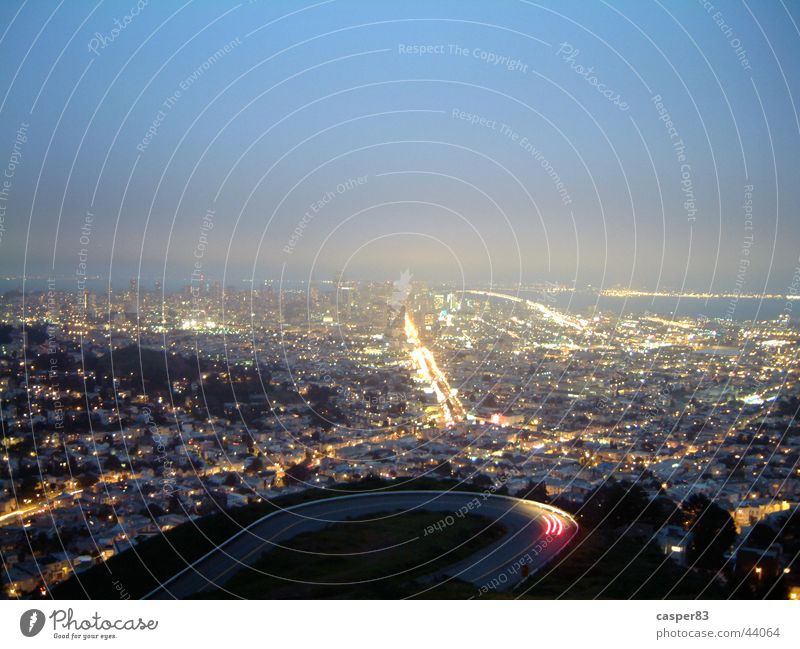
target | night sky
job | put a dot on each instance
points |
(652, 144)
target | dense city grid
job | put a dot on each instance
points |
(126, 413)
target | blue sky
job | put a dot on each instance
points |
(492, 154)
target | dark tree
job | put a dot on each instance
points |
(444, 469)
(482, 481)
(614, 504)
(761, 535)
(153, 510)
(662, 511)
(112, 463)
(36, 335)
(713, 532)
(87, 480)
(299, 473)
(255, 465)
(534, 491)
(5, 333)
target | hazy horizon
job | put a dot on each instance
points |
(448, 139)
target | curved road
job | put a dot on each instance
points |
(535, 533)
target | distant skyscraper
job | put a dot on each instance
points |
(313, 296)
(339, 280)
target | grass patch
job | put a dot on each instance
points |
(393, 554)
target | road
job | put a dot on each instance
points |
(452, 410)
(535, 533)
(561, 319)
(16, 517)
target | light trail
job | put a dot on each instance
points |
(38, 508)
(452, 409)
(555, 526)
(551, 314)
